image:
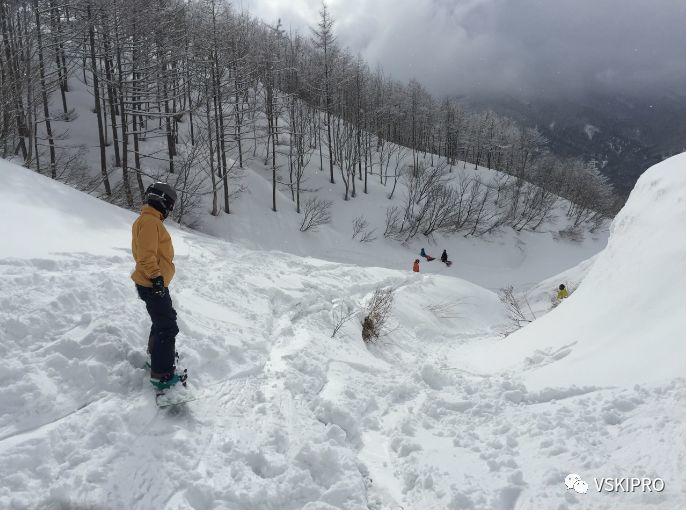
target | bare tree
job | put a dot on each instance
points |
(203, 74)
(44, 89)
(301, 149)
(325, 41)
(316, 213)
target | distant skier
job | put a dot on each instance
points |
(425, 255)
(151, 246)
(444, 258)
(562, 292)
(416, 265)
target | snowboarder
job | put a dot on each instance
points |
(416, 265)
(151, 246)
(444, 258)
(562, 292)
(425, 255)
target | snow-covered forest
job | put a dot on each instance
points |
(193, 92)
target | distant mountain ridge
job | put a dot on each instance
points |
(625, 134)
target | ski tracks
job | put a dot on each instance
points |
(289, 417)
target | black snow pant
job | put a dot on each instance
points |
(161, 343)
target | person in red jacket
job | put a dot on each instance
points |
(416, 265)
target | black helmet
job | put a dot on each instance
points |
(561, 287)
(161, 196)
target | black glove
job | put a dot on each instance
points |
(159, 286)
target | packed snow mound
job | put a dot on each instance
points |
(625, 323)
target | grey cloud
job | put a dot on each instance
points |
(511, 46)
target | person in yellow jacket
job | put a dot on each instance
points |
(562, 292)
(153, 252)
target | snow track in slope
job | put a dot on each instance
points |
(72, 339)
(288, 417)
(255, 335)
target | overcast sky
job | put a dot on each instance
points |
(512, 46)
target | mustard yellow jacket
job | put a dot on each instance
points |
(562, 294)
(152, 248)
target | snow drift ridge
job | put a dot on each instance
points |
(625, 323)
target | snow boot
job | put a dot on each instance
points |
(164, 383)
(168, 393)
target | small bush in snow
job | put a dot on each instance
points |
(316, 212)
(70, 115)
(342, 314)
(571, 233)
(377, 314)
(359, 224)
(368, 236)
(361, 231)
(72, 169)
(447, 310)
(518, 309)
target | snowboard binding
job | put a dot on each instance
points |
(162, 384)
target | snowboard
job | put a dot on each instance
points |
(448, 263)
(429, 258)
(178, 394)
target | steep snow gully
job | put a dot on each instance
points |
(441, 413)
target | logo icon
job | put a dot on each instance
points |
(575, 482)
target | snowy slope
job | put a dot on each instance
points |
(630, 307)
(288, 417)
(504, 258)
(79, 425)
